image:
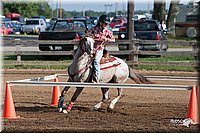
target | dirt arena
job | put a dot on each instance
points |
(141, 110)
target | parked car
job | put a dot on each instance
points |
(146, 29)
(39, 17)
(94, 19)
(6, 29)
(116, 29)
(117, 22)
(123, 28)
(53, 20)
(89, 24)
(17, 27)
(34, 26)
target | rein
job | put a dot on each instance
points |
(88, 64)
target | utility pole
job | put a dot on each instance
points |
(123, 9)
(106, 5)
(52, 9)
(116, 8)
(148, 7)
(83, 10)
(57, 9)
(60, 9)
(110, 9)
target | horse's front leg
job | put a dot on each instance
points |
(114, 101)
(73, 99)
(62, 98)
(105, 93)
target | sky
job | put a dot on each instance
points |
(99, 5)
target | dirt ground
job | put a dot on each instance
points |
(141, 110)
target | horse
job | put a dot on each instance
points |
(81, 70)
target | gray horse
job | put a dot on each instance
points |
(81, 70)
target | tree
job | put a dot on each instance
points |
(171, 19)
(27, 9)
(159, 11)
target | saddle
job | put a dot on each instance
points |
(108, 63)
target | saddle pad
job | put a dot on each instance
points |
(112, 58)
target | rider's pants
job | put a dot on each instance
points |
(99, 54)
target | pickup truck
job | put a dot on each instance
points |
(145, 29)
(65, 29)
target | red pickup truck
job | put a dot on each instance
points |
(117, 22)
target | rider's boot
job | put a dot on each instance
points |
(95, 79)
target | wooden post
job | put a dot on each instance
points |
(130, 30)
(18, 51)
(198, 53)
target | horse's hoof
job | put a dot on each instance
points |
(109, 109)
(93, 109)
(60, 110)
(65, 111)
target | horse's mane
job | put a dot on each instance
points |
(81, 42)
(82, 61)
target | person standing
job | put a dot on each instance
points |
(100, 35)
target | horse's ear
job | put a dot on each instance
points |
(85, 38)
(88, 35)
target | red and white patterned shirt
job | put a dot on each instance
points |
(100, 36)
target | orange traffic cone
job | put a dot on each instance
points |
(9, 109)
(56, 94)
(193, 106)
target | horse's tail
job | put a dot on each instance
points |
(138, 78)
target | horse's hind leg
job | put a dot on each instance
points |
(114, 101)
(105, 93)
(73, 99)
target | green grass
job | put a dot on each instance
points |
(60, 62)
(166, 68)
(168, 58)
(38, 58)
(180, 38)
(36, 67)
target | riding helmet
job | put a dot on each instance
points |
(104, 18)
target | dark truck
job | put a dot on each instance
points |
(146, 29)
(65, 29)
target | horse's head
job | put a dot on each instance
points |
(87, 45)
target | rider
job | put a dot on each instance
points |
(101, 35)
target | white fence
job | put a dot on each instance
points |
(40, 81)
